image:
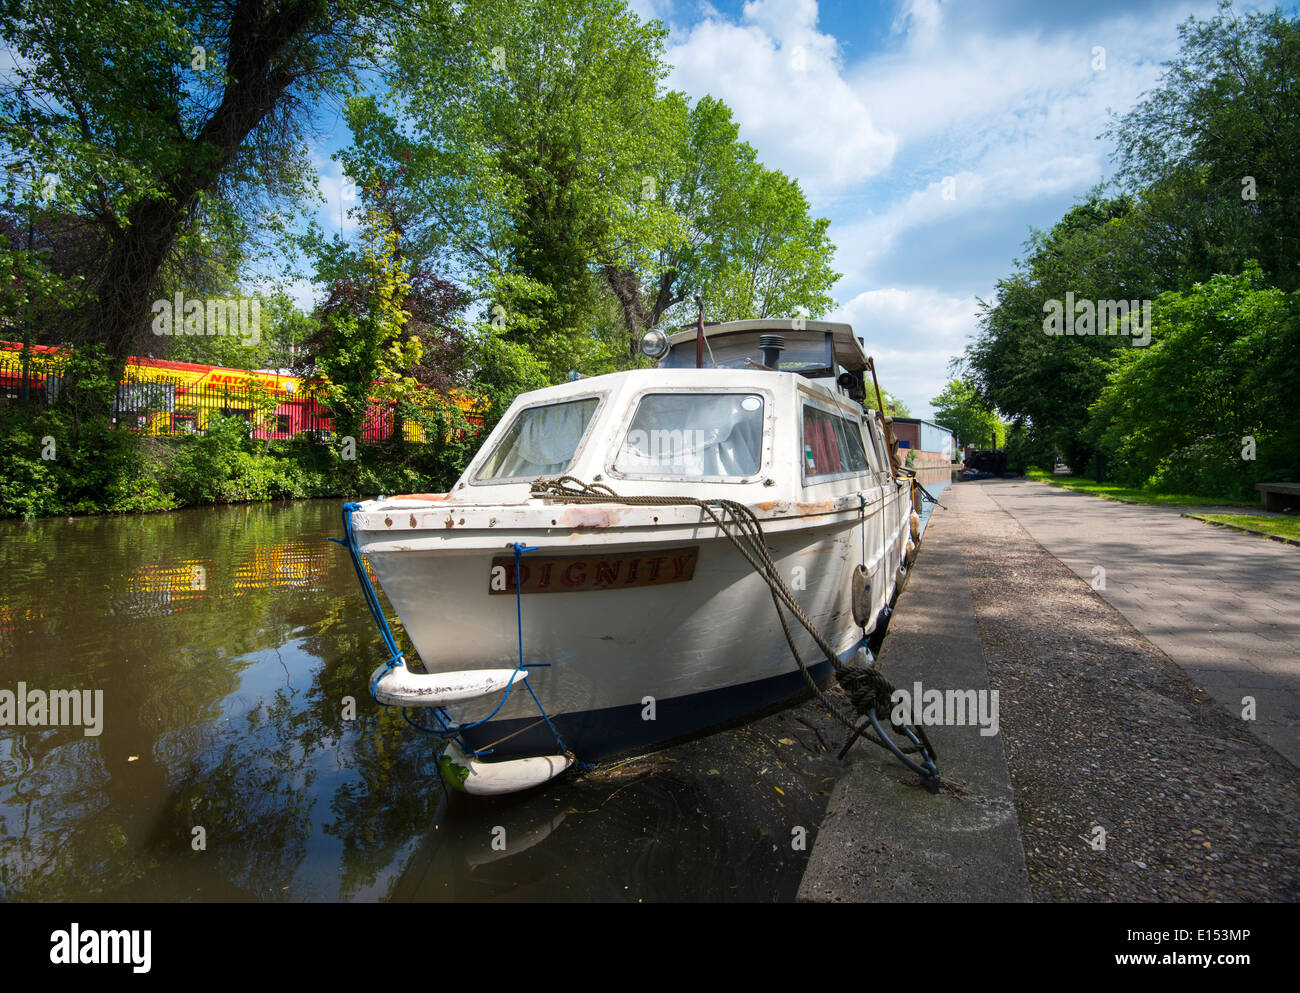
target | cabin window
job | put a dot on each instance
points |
(541, 441)
(875, 453)
(855, 458)
(694, 435)
(832, 444)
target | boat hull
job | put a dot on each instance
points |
(629, 669)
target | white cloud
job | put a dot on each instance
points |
(341, 197)
(782, 79)
(957, 199)
(1013, 116)
(652, 10)
(919, 20)
(999, 112)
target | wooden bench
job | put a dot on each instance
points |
(1279, 496)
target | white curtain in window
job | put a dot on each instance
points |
(682, 434)
(542, 442)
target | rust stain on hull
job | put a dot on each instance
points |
(585, 519)
(799, 509)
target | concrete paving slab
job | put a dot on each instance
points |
(886, 838)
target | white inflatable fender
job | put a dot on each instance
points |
(400, 687)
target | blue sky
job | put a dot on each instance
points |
(880, 108)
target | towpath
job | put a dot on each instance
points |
(1222, 604)
(1122, 747)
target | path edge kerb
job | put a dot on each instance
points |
(886, 839)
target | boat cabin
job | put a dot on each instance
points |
(816, 349)
(772, 414)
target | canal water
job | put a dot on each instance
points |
(226, 643)
(935, 488)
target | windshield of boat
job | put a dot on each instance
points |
(541, 441)
(696, 435)
(804, 352)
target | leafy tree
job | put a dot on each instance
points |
(743, 234)
(960, 408)
(1215, 149)
(519, 150)
(543, 159)
(360, 351)
(1048, 382)
(1209, 406)
(167, 126)
(1209, 167)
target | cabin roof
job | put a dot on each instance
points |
(848, 352)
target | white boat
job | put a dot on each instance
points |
(639, 624)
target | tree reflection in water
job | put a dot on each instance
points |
(223, 699)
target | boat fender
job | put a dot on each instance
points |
(916, 526)
(861, 596)
(467, 774)
(400, 687)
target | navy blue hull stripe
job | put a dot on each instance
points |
(596, 735)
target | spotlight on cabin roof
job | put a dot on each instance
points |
(654, 344)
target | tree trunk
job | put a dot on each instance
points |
(627, 290)
(259, 71)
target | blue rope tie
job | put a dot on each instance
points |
(445, 729)
(520, 549)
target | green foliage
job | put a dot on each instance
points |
(284, 330)
(1123, 494)
(1223, 367)
(29, 485)
(743, 234)
(97, 468)
(961, 408)
(59, 462)
(167, 127)
(1215, 149)
(1210, 165)
(893, 406)
(1049, 382)
(540, 156)
(1281, 527)
(1027, 451)
(522, 146)
(361, 352)
(505, 368)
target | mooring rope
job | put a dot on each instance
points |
(868, 689)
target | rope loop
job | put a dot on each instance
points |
(743, 529)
